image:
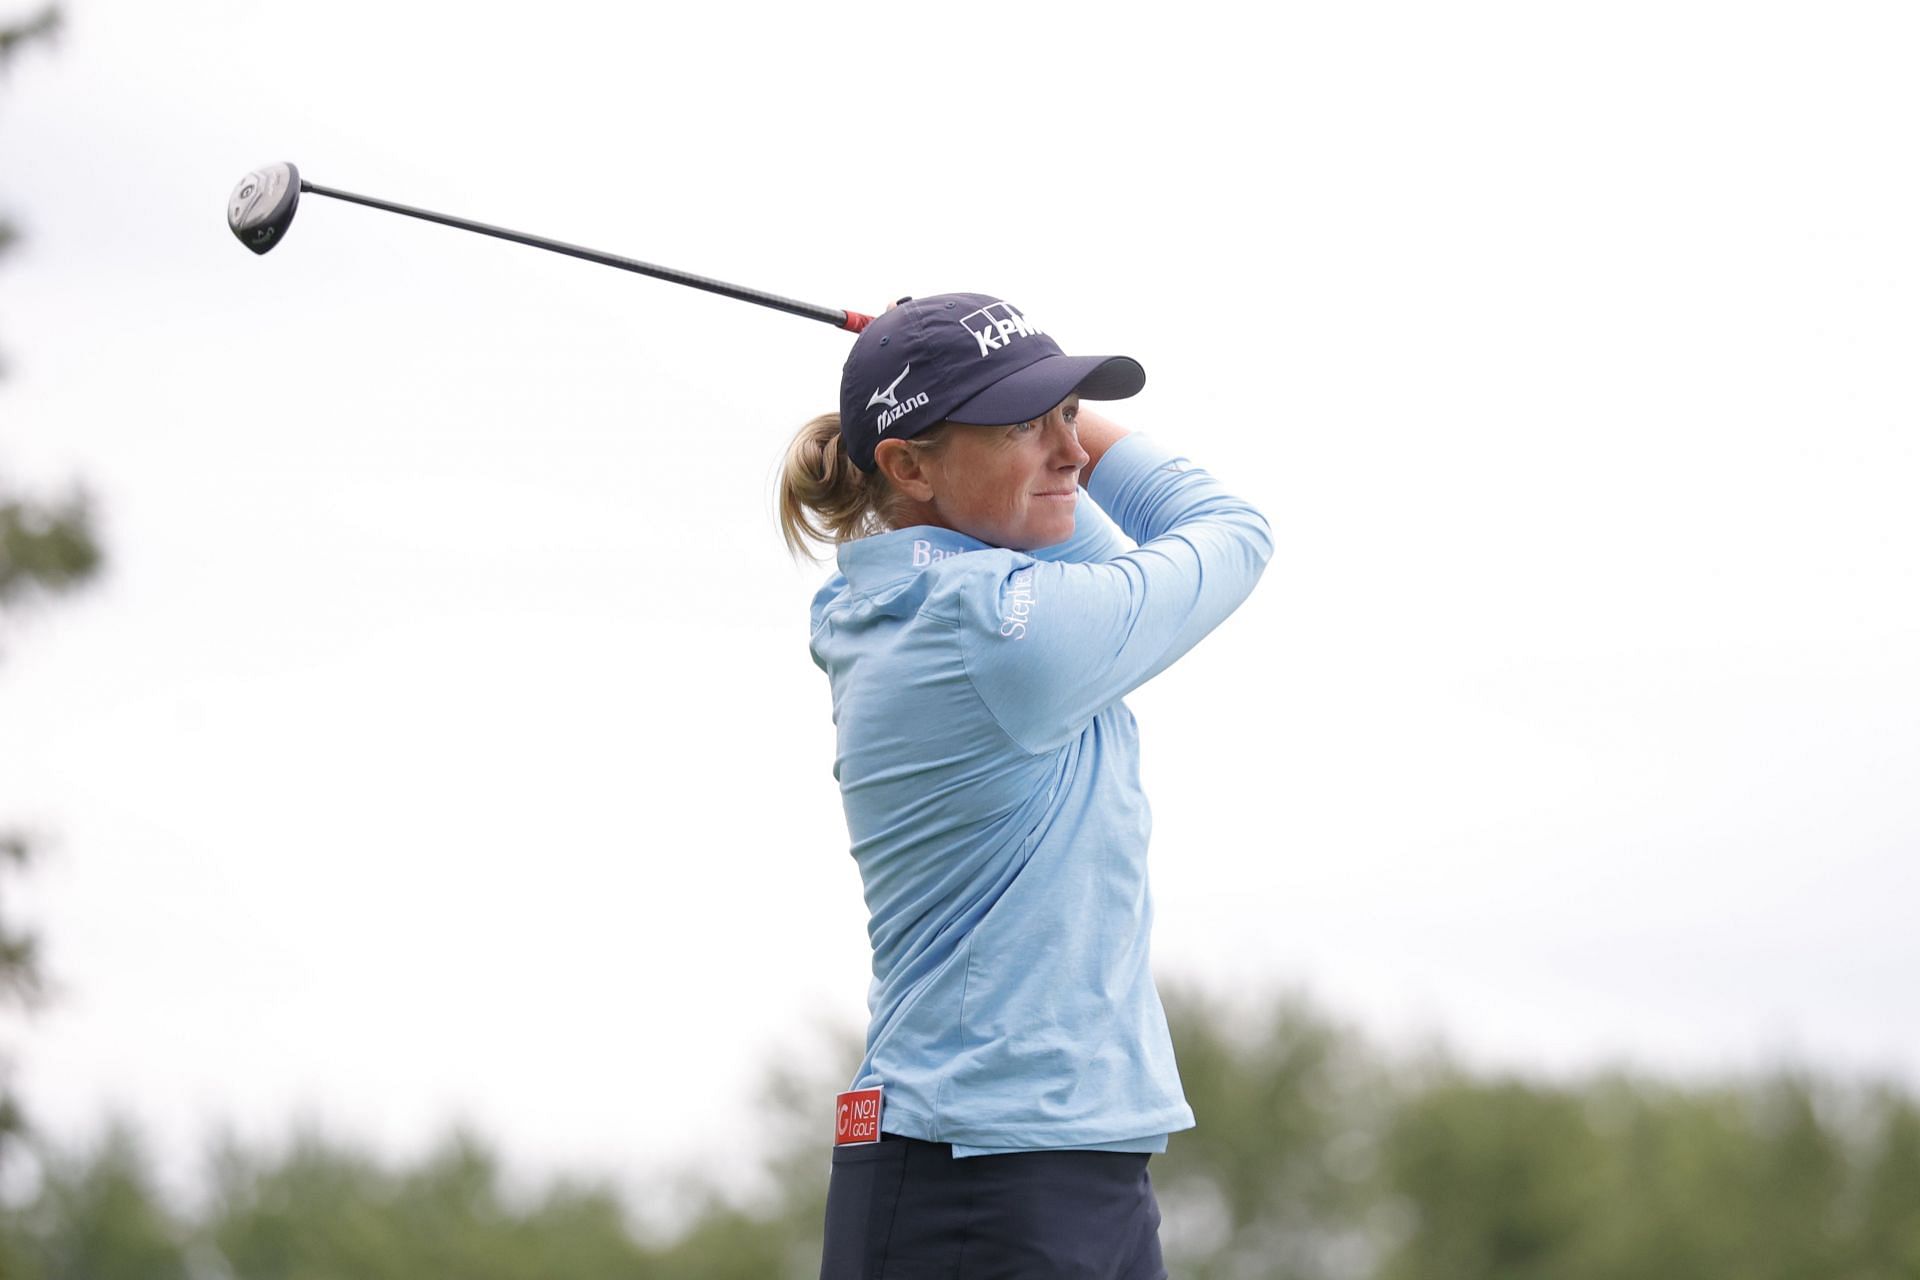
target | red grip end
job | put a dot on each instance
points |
(856, 322)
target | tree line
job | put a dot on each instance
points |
(1319, 1156)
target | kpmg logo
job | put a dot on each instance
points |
(997, 324)
(890, 397)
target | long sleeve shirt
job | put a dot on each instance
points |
(989, 771)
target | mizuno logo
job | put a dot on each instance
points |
(890, 416)
(996, 324)
(887, 397)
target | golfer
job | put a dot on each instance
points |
(985, 622)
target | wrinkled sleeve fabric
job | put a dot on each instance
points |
(1050, 644)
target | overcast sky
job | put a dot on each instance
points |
(442, 741)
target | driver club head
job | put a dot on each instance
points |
(262, 205)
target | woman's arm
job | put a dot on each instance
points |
(1049, 645)
(1097, 434)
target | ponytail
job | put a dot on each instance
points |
(823, 498)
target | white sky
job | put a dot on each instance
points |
(444, 743)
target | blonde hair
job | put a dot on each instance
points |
(824, 499)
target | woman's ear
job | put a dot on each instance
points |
(905, 470)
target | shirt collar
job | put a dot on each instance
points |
(885, 558)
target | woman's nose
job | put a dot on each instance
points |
(1071, 454)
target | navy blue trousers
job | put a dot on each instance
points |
(902, 1209)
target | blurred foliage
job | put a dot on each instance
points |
(41, 26)
(1318, 1156)
(97, 1214)
(38, 27)
(320, 1209)
(45, 548)
(1275, 1180)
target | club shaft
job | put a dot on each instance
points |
(840, 319)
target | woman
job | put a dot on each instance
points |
(985, 623)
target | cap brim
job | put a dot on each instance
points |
(1029, 393)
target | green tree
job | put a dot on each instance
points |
(97, 1216)
(1318, 1155)
(1782, 1178)
(321, 1209)
(1277, 1180)
(46, 547)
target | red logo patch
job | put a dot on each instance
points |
(856, 1117)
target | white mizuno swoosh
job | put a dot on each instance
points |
(887, 397)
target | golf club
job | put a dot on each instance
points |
(263, 202)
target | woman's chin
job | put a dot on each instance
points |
(1048, 533)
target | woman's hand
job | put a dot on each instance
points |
(1097, 434)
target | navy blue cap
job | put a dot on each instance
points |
(962, 357)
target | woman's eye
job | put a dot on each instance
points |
(1072, 414)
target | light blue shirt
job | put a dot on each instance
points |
(989, 771)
